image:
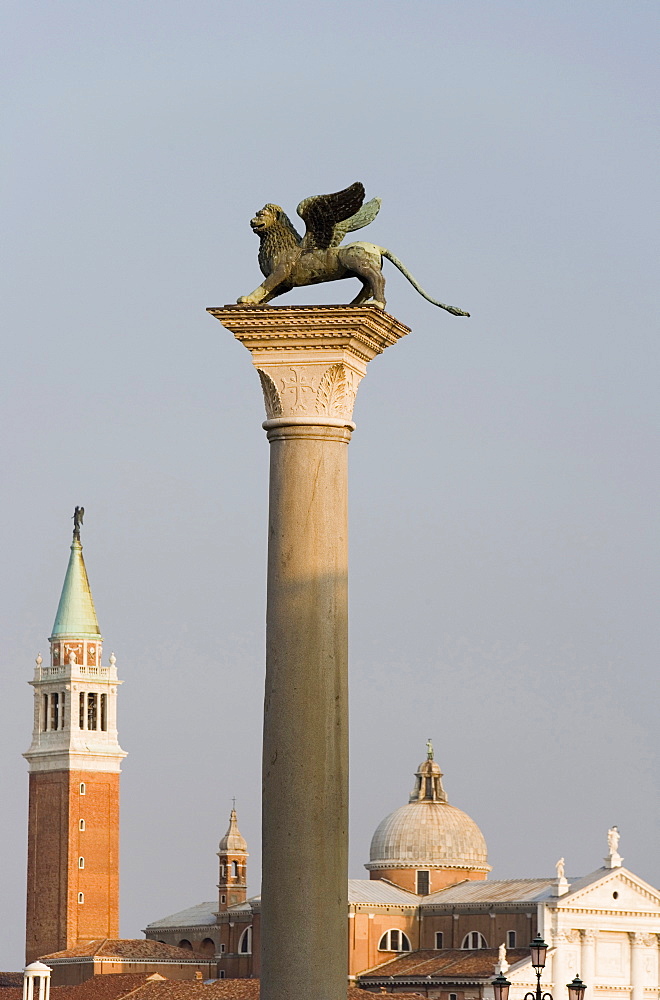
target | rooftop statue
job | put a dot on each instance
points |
(77, 519)
(288, 260)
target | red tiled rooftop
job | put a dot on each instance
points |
(447, 963)
(128, 948)
(118, 987)
(97, 988)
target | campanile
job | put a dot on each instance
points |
(75, 760)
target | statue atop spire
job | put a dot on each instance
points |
(78, 515)
(429, 744)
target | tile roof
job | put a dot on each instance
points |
(129, 949)
(11, 979)
(98, 988)
(506, 890)
(222, 989)
(511, 890)
(449, 963)
(118, 987)
(202, 914)
(364, 890)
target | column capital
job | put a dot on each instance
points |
(311, 359)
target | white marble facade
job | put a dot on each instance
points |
(606, 929)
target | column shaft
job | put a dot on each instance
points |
(305, 751)
(310, 361)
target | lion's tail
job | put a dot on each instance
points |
(406, 273)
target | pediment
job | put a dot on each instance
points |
(617, 890)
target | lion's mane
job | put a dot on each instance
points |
(279, 237)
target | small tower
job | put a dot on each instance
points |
(75, 760)
(233, 866)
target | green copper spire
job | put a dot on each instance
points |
(76, 615)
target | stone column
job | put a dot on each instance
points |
(310, 361)
(638, 976)
(588, 970)
(560, 965)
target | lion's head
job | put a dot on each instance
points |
(267, 217)
(276, 233)
(271, 218)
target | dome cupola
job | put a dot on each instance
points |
(428, 844)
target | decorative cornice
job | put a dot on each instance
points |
(441, 866)
(311, 359)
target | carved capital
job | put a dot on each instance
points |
(311, 359)
(638, 940)
(588, 936)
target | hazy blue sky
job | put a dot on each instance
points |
(504, 473)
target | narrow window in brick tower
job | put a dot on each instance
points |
(104, 713)
(44, 721)
(91, 711)
(82, 788)
(62, 704)
(81, 897)
(81, 824)
(81, 712)
(234, 869)
(81, 862)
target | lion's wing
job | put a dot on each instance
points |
(322, 212)
(361, 219)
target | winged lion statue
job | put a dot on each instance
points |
(288, 260)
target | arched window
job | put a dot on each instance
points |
(474, 940)
(82, 788)
(81, 824)
(81, 862)
(234, 869)
(207, 946)
(453, 996)
(511, 939)
(81, 897)
(245, 942)
(438, 939)
(223, 898)
(184, 943)
(394, 940)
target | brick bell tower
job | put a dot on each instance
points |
(75, 759)
(233, 856)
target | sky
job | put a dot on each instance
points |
(503, 474)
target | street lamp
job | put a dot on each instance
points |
(501, 987)
(539, 950)
(576, 989)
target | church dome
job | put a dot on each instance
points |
(233, 841)
(428, 832)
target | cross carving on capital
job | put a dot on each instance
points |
(298, 385)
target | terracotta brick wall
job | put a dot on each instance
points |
(439, 878)
(55, 918)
